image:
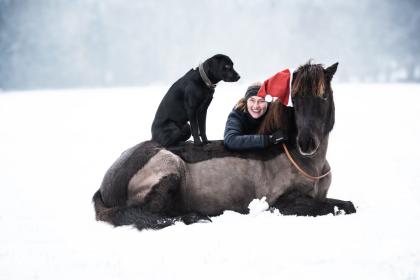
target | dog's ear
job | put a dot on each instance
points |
(222, 59)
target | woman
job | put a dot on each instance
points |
(243, 122)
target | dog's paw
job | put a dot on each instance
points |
(198, 143)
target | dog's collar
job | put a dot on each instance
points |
(204, 77)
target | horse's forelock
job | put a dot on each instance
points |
(309, 79)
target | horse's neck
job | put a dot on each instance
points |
(323, 147)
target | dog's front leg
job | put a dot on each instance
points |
(202, 126)
(192, 116)
(202, 116)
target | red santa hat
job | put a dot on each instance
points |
(278, 87)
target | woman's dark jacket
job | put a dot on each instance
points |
(241, 132)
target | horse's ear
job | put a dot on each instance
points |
(330, 71)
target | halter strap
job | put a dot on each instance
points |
(300, 169)
(204, 77)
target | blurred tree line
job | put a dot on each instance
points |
(95, 43)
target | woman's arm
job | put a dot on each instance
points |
(235, 139)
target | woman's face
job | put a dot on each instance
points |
(257, 106)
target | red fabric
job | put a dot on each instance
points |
(277, 86)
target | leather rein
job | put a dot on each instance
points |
(300, 169)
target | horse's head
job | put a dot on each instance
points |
(313, 104)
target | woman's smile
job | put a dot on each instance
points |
(257, 106)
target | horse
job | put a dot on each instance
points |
(152, 187)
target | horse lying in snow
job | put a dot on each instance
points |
(152, 187)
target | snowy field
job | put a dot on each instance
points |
(55, 147)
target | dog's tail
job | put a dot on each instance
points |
(129, 215)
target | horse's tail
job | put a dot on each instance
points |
(129, 215)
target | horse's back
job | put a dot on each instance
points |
(191, 153)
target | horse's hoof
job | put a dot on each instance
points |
(347, 207)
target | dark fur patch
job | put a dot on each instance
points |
(192, 153)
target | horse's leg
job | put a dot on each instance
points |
(128, 215)
(346, 206)
(161, 198)
(297, 203)
(322, 188)
(164, 199)
(322, 185)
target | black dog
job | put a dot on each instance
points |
(188, 99)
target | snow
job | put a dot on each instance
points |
(55, 147)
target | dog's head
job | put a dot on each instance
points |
(220, 68)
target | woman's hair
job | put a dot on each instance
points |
(241, 105)
(274, 118)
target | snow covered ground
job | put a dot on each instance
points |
(55, 147)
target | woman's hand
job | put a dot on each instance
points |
(277, 137)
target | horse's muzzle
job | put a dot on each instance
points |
(307, 145)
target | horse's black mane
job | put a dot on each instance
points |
(215, 149)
